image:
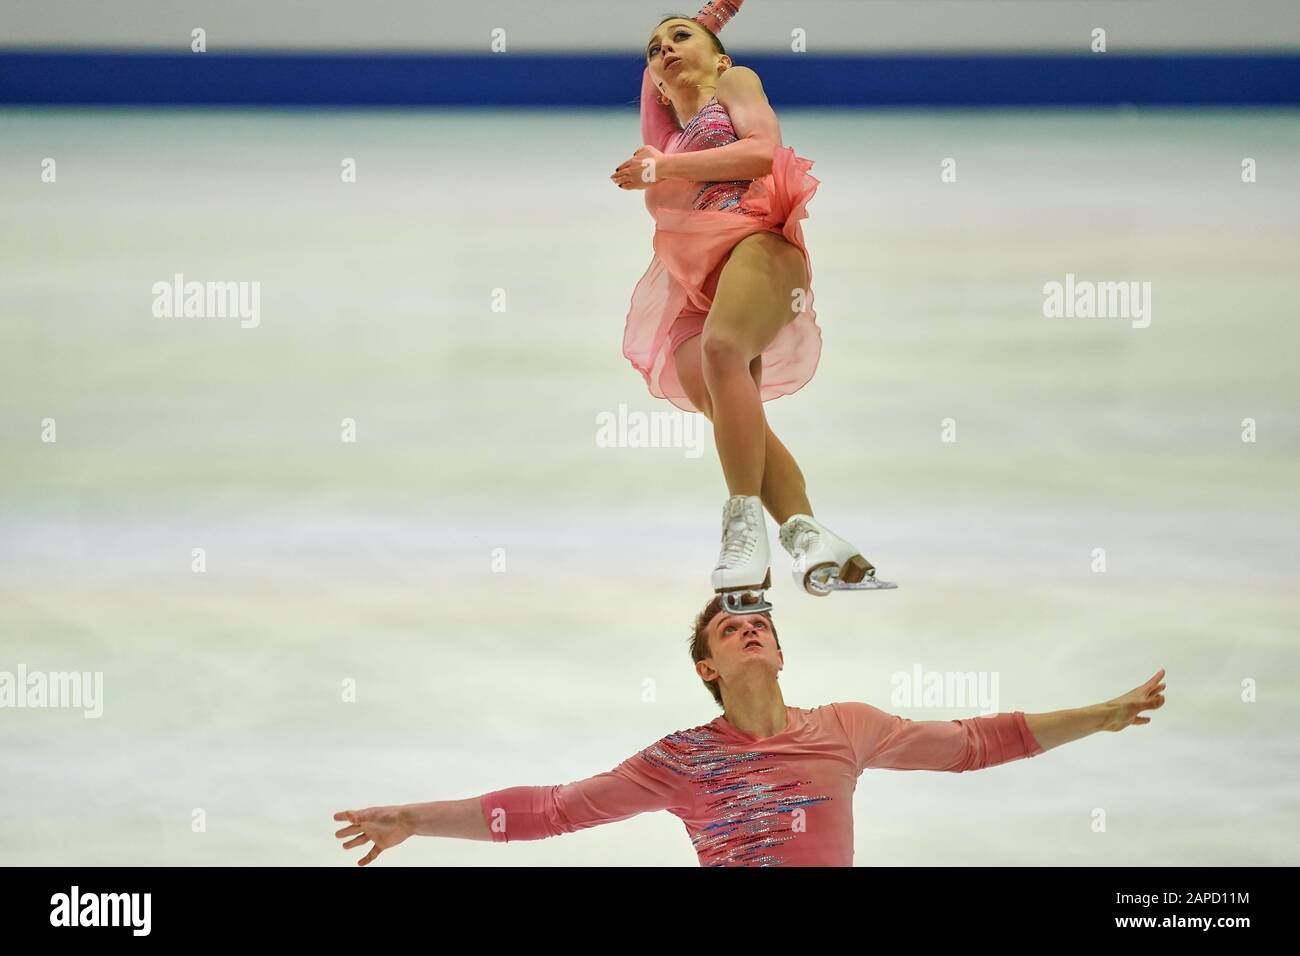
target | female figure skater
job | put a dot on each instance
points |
(722, 320)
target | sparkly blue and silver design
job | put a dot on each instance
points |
(749, 812)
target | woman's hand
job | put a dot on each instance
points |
(1123, 711)
(383, 825)
(639, 172)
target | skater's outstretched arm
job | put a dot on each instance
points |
(1061, 726)
(386, 827)
(637, 785)
(887, 741)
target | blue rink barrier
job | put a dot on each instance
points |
(50, 77)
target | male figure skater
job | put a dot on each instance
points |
(764, 784)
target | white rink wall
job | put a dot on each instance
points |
(831, 26)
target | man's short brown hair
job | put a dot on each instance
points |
(700, 637)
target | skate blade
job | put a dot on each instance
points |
(824, 584)
(745, 602)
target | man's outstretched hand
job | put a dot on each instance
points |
(381, 825)
(1125, 710)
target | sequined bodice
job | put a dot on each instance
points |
(708, 129)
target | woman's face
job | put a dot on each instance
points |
(681, 49)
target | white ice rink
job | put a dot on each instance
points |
(372, 561)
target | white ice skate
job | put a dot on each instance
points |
(825, 562)
(745, 562)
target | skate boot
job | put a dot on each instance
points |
(744, 564)
(825, 562)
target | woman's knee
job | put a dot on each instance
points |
(721, 351)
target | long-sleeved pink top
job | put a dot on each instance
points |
(785, 800)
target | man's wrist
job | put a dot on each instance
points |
(1099, 715)
(416, 818)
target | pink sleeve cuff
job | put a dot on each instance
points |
(717, 13)
(1029, 742)
(487, 804)
(519, 813)
(998, 739)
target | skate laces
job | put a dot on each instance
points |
(739, 535)
(798, 535)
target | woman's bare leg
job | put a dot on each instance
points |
(750, 306)
(785, 492)
(783, 489)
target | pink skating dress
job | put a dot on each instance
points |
(696, 227)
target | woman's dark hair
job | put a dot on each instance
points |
(700, 637)
(717, 44)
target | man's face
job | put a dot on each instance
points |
(680, 53)
(737, 642)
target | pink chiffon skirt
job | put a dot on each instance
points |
(691, 246)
